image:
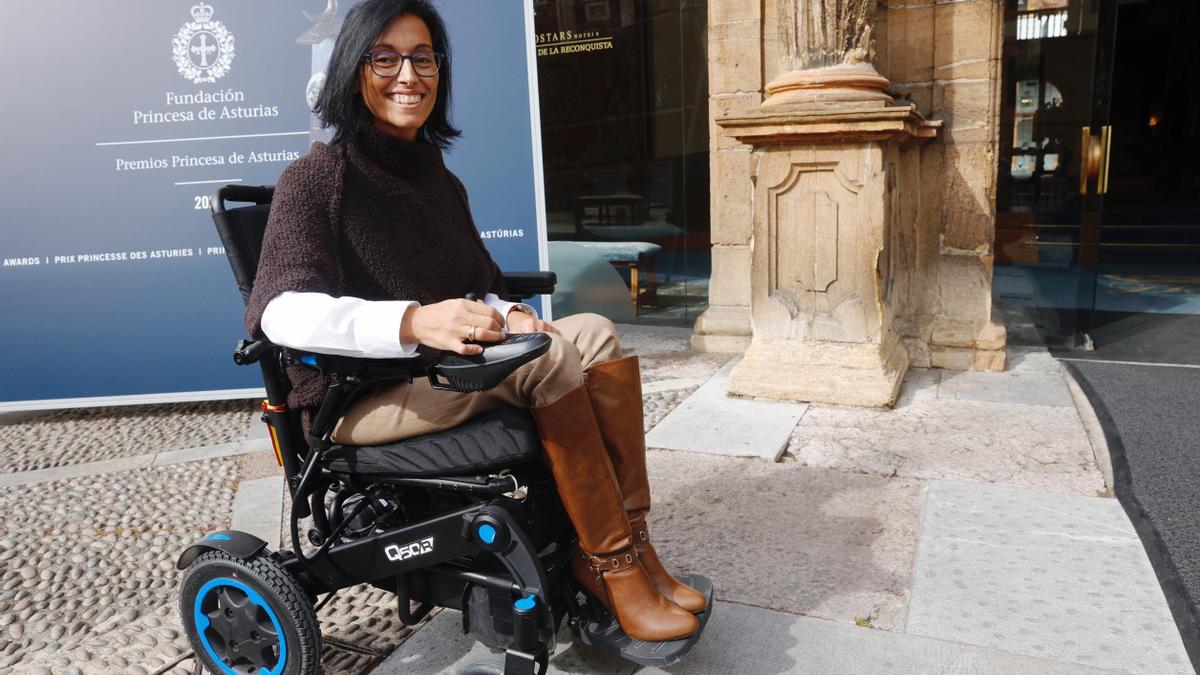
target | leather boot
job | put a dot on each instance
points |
(608, 565)
(615, 388)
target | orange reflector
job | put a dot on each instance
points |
(275, 445)
(267, 407)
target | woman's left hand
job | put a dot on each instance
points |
(520, 322)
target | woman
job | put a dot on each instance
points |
(369, 250)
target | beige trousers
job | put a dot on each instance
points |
(400, 411)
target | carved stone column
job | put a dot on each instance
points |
(826, 145)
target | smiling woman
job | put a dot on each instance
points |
(399, 78)
(370, 251)
(359, 91)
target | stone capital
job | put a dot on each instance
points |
(795, 124)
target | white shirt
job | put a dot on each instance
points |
(347, 326)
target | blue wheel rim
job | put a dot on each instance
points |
(202, 623)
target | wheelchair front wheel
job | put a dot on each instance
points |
(248, 617)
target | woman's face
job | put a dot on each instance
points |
(400, 104)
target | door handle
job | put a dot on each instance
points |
(1106, 143)
(1085, 146)
(1094, 159)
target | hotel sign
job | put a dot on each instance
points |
(572, 42)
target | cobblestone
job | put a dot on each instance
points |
(93, 434)
(658, 366)
(89, 538)
(660, 404)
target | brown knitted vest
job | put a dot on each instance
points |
(376, 218)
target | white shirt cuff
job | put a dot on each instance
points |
(504, 307)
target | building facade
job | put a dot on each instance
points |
(843, 189)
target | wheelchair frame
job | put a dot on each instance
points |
(432, 559)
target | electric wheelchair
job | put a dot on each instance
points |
(467, 519)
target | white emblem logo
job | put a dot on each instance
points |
(203, 48)
(397, 553)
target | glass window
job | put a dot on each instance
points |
(624, 107)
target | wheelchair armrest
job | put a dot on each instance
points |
(360, 369)
(461, 373)
(522, 285)
(349, 376)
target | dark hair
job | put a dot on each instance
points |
(341, 106)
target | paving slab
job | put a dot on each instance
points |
(211, 451)
(929, 435)
(1029, 388)
(256, 428)
(828, 544)
(440, 646)
(710, 421)
(70, 471)
(673, 384)
(258, 508)
(640, 338)
(1042, 574)
(744, 640)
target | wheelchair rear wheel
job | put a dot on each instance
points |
(248, 617)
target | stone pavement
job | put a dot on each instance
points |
(967, 530)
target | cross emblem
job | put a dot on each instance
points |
(204, 49)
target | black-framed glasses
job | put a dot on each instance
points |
(387, 62)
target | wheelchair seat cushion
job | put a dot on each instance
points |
(494, 440)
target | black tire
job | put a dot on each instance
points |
(273, 616)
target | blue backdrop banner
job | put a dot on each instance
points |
(124, 117)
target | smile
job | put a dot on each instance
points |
(406, 99)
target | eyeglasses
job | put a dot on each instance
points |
(388, 63)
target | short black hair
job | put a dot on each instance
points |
(341, 106)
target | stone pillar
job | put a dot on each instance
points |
(825, 155)
(735, 83)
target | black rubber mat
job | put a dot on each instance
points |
(1144, 338)
(1151, 420)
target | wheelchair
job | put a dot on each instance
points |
(467, 519)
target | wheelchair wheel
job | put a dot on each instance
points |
(248, 617)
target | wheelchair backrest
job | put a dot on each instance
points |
(242, 229)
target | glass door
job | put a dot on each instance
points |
(1052, 140)
(1098, 193)
(1147, 299)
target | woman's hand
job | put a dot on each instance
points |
(447, 325)
(520, 322)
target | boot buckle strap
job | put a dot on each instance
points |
(612, 563)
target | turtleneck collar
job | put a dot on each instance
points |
(396, 155)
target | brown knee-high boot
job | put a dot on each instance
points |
(616, 391)
(608, 564)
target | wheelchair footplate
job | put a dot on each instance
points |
(604, 633)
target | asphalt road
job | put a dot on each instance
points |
(1151, 420)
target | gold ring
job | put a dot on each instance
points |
(470, 333)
